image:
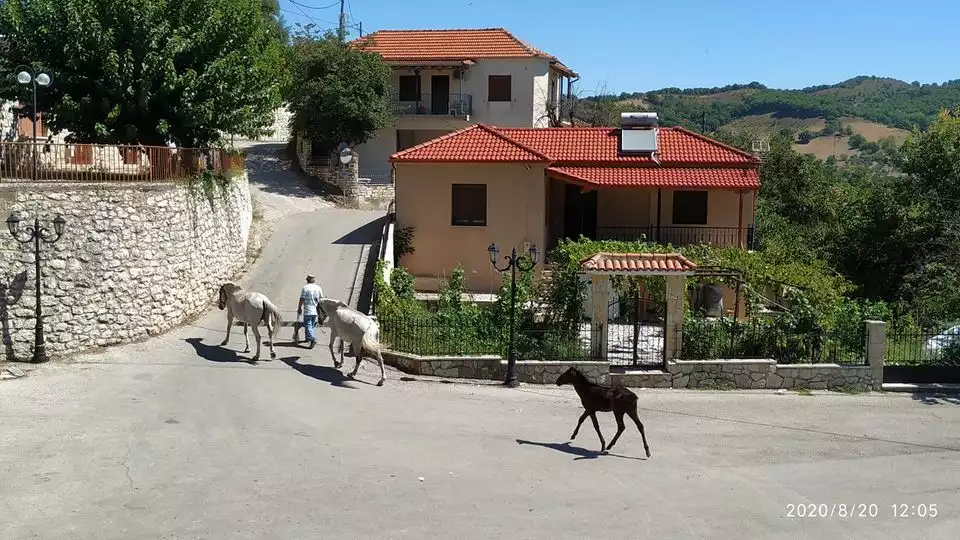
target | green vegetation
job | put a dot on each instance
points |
(149, 71)
(886, 101)
(341, 94)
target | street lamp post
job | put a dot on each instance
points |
(513, 263)
(35, 234)
(27, 76)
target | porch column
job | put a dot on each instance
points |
(659, 212)
(598, 317)
(673, 334)
(740, 238)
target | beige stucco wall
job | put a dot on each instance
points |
(625, 207)
(721, 207)
(516, 201)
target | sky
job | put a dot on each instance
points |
(633, 46)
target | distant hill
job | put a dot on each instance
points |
(822, 117)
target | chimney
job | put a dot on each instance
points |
(638, 133)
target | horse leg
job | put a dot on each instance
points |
(256, 336)
(633, 414)
(383, 374)
(356, 352)
(229, 325)
(246, 339)
(579, 423)
(596, 426)
(333, 355)
(271, 328)
(620, 428)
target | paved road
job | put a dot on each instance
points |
(176, 438)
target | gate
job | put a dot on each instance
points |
(635, 331)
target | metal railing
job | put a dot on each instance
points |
(376, 177)
(64, 162)
(458, 105)
(923, 349)
(681, 235)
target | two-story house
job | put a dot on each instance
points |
(446, 80)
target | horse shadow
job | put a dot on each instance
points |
(581, 453)
(10, 294)
(215, 353)
(322, 373)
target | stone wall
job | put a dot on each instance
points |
(491, 367)
(134, 260)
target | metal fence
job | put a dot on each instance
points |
(376, 177)
(922, 349)
(681, 235)
(458, 105)
(62, 162)
(705, 339)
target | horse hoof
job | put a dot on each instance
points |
(648, 453)
(273, 355)
(380, 383)
(222, 343)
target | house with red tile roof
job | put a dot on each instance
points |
(446, 80)
(534, 186)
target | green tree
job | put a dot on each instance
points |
(340, 94)
(149, 71)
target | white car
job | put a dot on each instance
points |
(943, 340)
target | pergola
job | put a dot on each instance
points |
(673, 266)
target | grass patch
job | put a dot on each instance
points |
(803, 392)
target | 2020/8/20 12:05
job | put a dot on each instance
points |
(859, 510)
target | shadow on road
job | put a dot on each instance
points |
(369, 233)
(581, 453)
(936, 398)
(322, 373)
(215, 353)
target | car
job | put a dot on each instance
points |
(938, 343)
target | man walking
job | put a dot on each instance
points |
(310, 296)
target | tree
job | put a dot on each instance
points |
(341, 94)
(149, 71)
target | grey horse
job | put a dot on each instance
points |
(356, 328)
(251, 309)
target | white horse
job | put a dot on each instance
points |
(250, 308)
(358, 329)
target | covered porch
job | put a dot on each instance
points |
(663, 215)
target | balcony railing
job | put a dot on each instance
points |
(456, 105)
(109, 163)
(681, 235)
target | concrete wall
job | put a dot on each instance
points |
(722, 207)
(516, 200)
(134, 260)
(625, 207)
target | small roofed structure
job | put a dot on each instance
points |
(673, 266)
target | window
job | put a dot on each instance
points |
(498, 88)
(469, 205)
(689, 207)
(408, 88)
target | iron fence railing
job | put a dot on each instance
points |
(710, 339)
(458, 105)
(923, 348)
(65, 162)
(681, 235)
(376, 177)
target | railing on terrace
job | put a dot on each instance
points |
(923, 348)
(376, 177)
(681, 235)
(458, 105)
(66, 162)
(705, 339)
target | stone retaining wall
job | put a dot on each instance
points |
(751, 374)
(491, 367)
(135, 259)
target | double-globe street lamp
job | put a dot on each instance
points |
(34, 78)
(514, 262)
(35, 234)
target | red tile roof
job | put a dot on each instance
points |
(665, 177)
(591, 156)
(450, 45)
(476, 144)
(638, 263)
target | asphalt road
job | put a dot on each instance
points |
(179, 438)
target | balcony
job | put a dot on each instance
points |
(682, 235)
(453, 105)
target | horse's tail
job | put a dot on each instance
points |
(370, 341)
(272, 315)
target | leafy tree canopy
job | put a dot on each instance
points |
(149, 71)
(339, 94)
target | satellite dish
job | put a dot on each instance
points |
(346, 156)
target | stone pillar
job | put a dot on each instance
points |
(673, 335)
(351, 175)
(876, 342)
(598, 317)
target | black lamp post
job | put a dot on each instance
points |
(36, 233)
(27, 76)
(513, 262)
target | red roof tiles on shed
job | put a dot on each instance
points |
(638, 263)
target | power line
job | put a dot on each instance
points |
(294, 2)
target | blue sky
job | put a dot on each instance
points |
(642, 45)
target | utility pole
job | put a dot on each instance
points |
(341, 30)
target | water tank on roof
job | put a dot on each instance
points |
(638, 120)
